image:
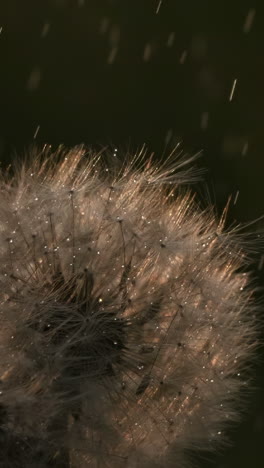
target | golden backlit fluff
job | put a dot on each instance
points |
(127, 318)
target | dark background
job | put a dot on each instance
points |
(126, 72)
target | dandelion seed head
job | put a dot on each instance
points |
(127, 321)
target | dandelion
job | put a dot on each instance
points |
(127, 318)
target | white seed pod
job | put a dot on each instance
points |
(126, 316)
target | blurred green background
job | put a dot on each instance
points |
(126, 72)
